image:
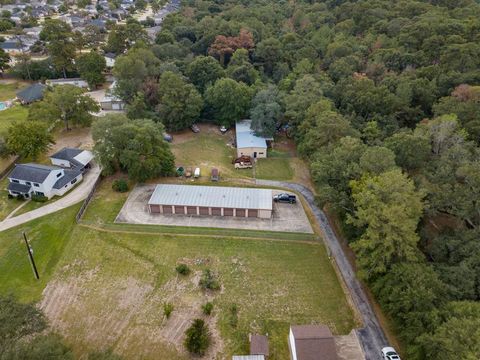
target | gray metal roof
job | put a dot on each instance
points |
(31, 93)
(64, 180)
(246, 137)
(69, 155)
(24, 189)
(212, 196)
(31, 172)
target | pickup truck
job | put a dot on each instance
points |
(243, 165)
(285, 198)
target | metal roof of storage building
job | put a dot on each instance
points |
(212, 196)
(246, 137)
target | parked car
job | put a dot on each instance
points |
(196, 174)
(215, 175)
(195, 128)
(167, 137)
(223, 129)
(389, 353)
(188, 172)
(243, 165)
(285, 198)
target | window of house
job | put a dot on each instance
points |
(73, 181)
(39, 193)
(59, 174)
(15, 181)
(36, 185)
(28, 183)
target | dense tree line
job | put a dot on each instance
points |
(382, 98)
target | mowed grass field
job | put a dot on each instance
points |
(17, 113)
(105, 285)
(9, 91)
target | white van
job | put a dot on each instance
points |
(196, 174)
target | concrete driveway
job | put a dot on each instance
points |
(73, 197)
(286, 217)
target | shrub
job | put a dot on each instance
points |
(207, 308)
(208, 281)
(167, 309)
(120, 185)
(233, 316)
(39, 198)
(197, 338)
(183, 269)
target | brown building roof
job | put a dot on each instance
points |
(258, 345)
(314, 342)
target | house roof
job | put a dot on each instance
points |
(259, 345)
(31, 93)
(314, 342)
(31, 172)
(246, 137)
(76, 157)
(110, 55)
(212, 196)
(64, 180)
(24, 189)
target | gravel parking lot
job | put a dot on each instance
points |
(286, 217)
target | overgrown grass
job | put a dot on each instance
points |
(17, 113)
(274, 284)
(207, 150)
(274, 169)
(9, 91)
(48, 236)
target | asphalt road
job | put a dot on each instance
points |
(371, 335)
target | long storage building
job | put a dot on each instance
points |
(211, 201)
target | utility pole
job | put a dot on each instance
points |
(30, 257)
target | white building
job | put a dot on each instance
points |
(72, 81)
(44, 180)
(249, 144)
(211, 201)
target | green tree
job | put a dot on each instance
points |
(203, 71)
(376, 160)
(180, 103)
(389, 208)
(4, 60)
(266, 112)
(28, 139)
(322, 126)
(61, 48)
(240, 69)
(134, 146)
(306, 92)
(228, 101)
(67, 103)
(458, 337)
(411, 151)
(197, 337)
(40, 348)
(91, 67)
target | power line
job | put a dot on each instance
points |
(30, 257)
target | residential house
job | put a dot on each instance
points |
(110, 59)
(110, 101)
(31, 94)
(249, 144)
(13, 47)
(68, 168)
(311, 342)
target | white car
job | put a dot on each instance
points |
(389, 353)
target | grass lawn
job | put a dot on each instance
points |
(112, 287)
(9, 91)
(17, 113)
(274, 169)
(48, 237)
(207, 150)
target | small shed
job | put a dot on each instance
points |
(249, 144)
(312, 342)
(259, 345)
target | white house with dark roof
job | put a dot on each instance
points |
(68, 168)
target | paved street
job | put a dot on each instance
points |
(73, 197)
(371, 335)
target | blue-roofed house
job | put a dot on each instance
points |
(249, 144)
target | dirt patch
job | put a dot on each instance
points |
(76, 138)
